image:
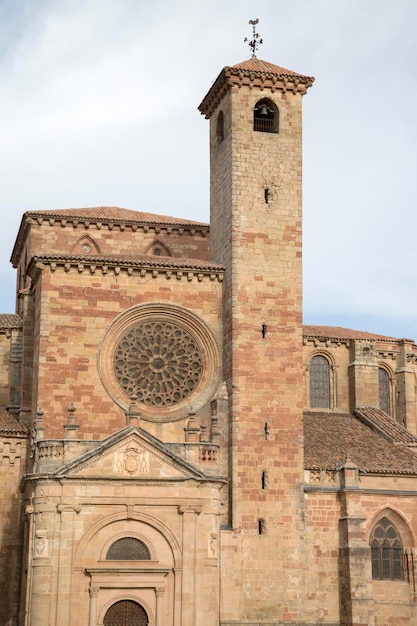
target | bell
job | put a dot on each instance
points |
(264, 110)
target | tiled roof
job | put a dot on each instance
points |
(132, 260)
(111, 213)
(330, 438)
(257, 65)
(9, 321)
(337, 332)
(253, 73)
(9, 424)
(101, 214)
(379, 421)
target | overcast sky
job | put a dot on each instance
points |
(98, 102)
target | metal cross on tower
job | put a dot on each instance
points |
(256, 40)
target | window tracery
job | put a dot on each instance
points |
(386, 552)
(320, 382)
(159, 362)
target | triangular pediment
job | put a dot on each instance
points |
(131, 453)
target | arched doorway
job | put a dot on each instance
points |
(126, 613)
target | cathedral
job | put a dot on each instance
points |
(176, 448)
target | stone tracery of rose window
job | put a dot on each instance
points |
(159, 362)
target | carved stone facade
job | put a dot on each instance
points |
(176, 449)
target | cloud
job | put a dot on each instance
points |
(99, 107)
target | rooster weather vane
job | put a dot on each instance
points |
(256, 40)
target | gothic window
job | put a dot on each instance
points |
(384, 391)
(386, 552)
(319, 382)
(85, 245)
(157, 248)
(266, 116)
(128, 549)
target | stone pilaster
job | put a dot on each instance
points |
(363, 374)
(355, 575)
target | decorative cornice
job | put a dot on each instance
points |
(123, 481)
(271, 79)
(318, 342)
(144, 222)
(169, 224)
(387, 354)
(143, 568)
(138, 266)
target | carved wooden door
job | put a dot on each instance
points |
(126, 613)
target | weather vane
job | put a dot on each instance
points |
(256, 40)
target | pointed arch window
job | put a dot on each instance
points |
(266, 116)
(319, 382)
(85, 245)
(386, 552)
(384, 390)
(128, 549)
(157, 248)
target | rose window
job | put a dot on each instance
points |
(159, 362)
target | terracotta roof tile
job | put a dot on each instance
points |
(254, 73)
(9, 321)
(338, 332)
(382, 423)
(9, 425)
(103, 214)
(257, 65)
(106, 213)
(329, 438)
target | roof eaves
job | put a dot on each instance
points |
(142, 261)
(253, 74)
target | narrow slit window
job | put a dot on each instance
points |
(384, 391)
(220, 127)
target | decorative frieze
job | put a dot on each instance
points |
(323, 477)
(122, 226)
(388, 354)
(139, 268)
(325, 342)
(10, 451)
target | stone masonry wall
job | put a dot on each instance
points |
(13, 455)
(338, 527)
(5, 341)
(256, 233)
(74, 311)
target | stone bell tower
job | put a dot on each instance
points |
(254, 110)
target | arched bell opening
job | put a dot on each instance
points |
(266, 116)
